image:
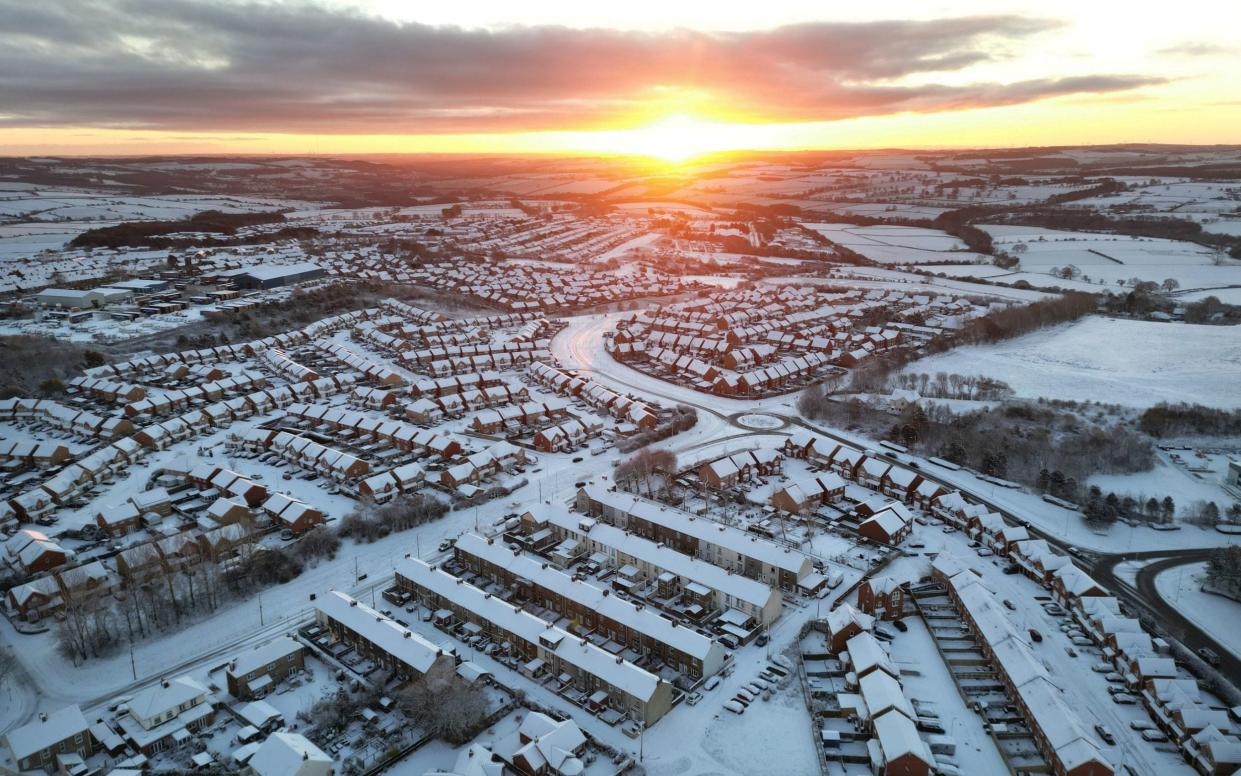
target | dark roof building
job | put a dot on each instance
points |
(276, 275)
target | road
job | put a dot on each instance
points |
(1145, 596)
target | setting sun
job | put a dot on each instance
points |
(675, 139)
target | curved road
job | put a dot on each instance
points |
(1145, 596)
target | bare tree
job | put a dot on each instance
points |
(445, 705)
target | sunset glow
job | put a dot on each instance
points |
(221, 76)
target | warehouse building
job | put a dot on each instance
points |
(82, 298)
(277, 275)
(143, 286)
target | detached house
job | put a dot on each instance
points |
(36, 745)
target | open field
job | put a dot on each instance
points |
(1136, 363)
(898, 244)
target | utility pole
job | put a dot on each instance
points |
(132, 665)
(260, 611)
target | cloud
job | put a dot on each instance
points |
(1196, 49)
(195, 65)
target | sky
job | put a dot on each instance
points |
(664, 79)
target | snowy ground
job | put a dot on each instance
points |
(869, 277)
(1217, 615)
(1136, 363)
(1187, 478)
(1112, 258)
(898, 244)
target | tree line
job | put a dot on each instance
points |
(153, 233)
(1039, 446)
(1181, 419)
(92, 626)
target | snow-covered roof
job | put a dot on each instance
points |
(259, 657)
(642, 619)
(706, 531)
(385, 633)
(285, 754)
(165, 696)
(738, 586)
(621, 674)
(45, 732)
(898, 736)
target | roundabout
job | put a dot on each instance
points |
(758, 421)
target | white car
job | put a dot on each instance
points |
(734, 707)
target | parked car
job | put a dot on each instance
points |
(693, 698)
(900, 625)
(1124, 699)
(734, 707)
(1035, 635)
(1154, 736)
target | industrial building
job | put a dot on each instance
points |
(275, 276)
(82, 298)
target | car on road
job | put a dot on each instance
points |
(1035, 635)
(1105, 734)
(577, 459)
(900, 625)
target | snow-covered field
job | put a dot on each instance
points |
(1111, 258)
(1217, 615)
(898, 244)
(881, 277)
(1175, 478)
(1136, 363)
